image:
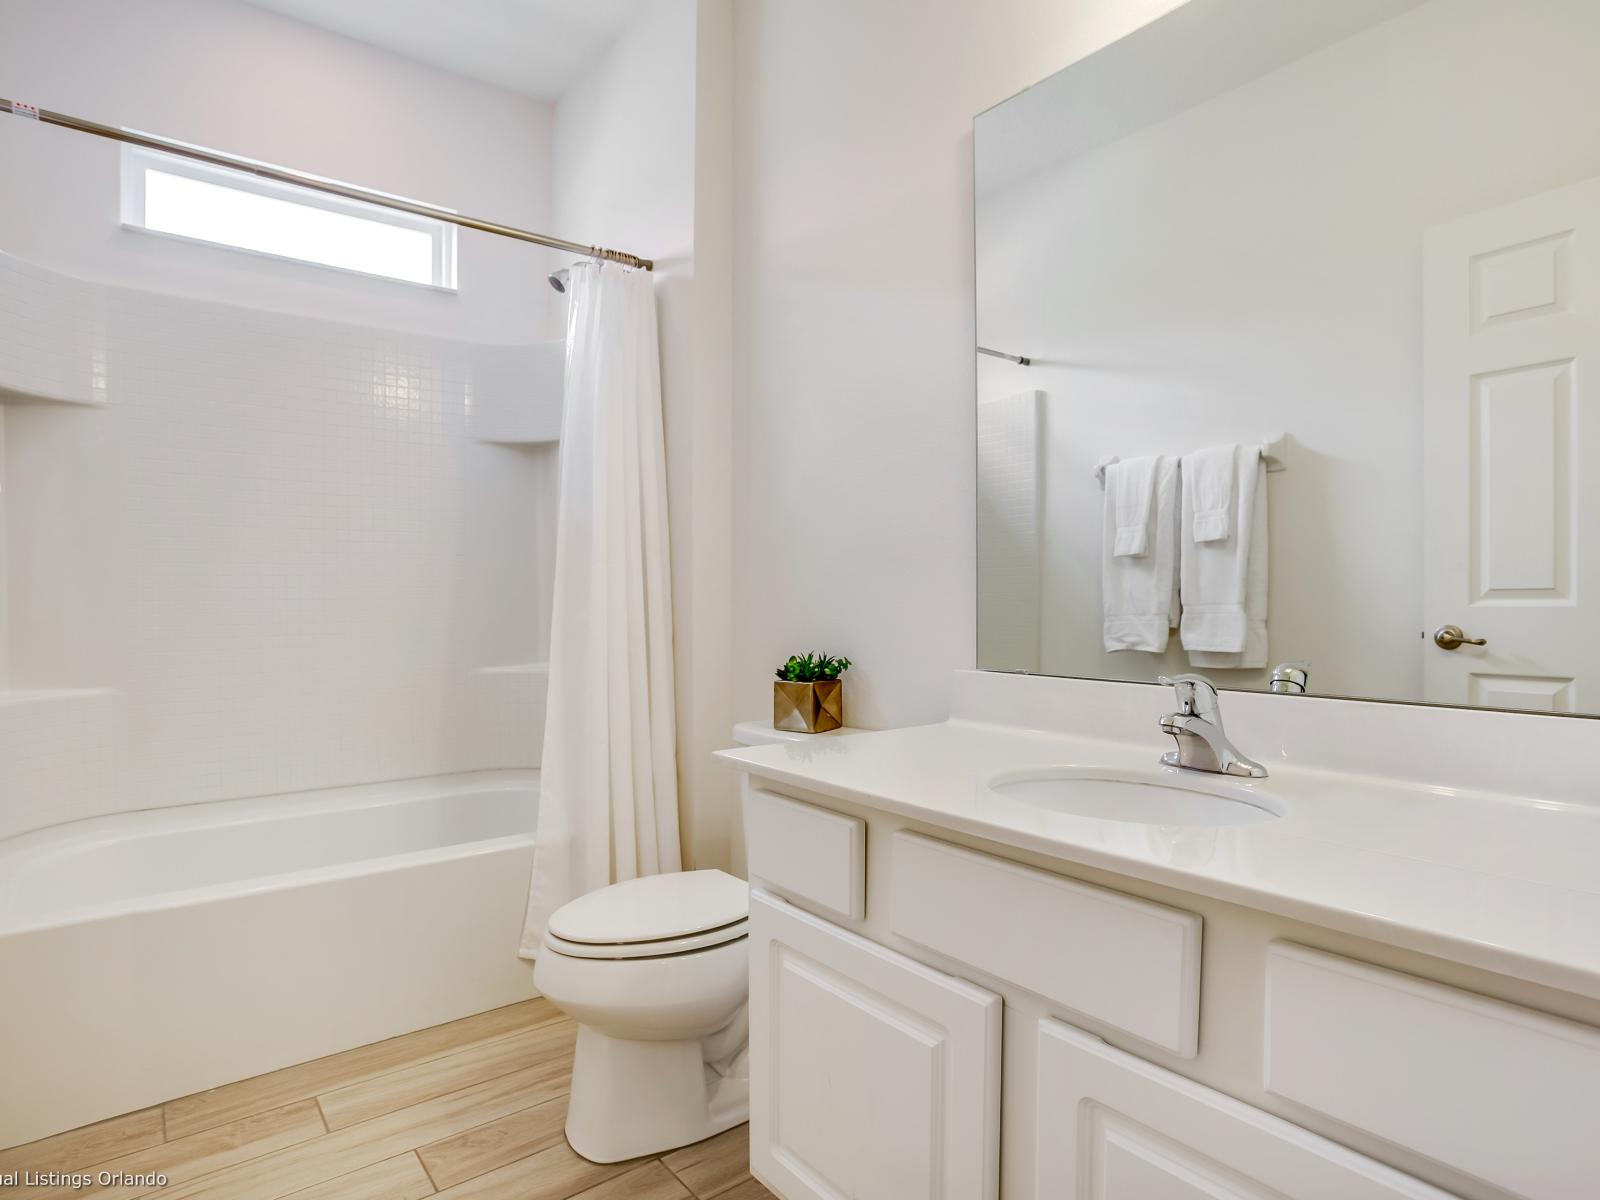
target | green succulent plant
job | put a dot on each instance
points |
(810, 668)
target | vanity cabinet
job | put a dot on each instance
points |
(878, 979)
(1114, 1127)
(872, 1075)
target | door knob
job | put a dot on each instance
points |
(1451, 637)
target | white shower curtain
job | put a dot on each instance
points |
(608, 803)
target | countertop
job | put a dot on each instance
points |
(1505, 883)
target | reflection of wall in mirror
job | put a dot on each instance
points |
(1253, 264)
(1009, 511)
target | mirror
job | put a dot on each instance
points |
(1304, 294)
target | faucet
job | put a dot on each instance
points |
(1290, 678)
(1197, 728)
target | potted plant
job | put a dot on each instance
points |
(809, 696)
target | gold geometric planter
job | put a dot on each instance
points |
(808, 707)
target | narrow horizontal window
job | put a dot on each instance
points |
(199, 202)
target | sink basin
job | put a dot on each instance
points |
(1139, 797)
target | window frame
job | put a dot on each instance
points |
(137, 160)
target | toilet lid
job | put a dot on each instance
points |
(657, 908)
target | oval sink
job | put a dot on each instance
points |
(1142, 798)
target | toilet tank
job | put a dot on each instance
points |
(761, 733)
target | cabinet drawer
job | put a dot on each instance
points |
(1123, 961)
(814, 857)
(1502, 1093)
(871, 1075)
(1114, 1127)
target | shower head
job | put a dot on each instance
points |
(558, 279)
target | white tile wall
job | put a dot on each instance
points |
(276, 553)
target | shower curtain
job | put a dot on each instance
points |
(608, 803)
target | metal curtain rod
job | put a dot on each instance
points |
(166, 146)
(1020, 359)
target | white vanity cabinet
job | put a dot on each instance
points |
(872, 1076)
(882, 956)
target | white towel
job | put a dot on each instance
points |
(1139, 594)
(1224, 583)
(1208, 491)
(1130, 487)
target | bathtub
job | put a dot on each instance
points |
(149, 955)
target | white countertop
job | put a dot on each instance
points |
(1503, 883)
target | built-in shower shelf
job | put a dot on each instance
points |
(538, 668)
(20, 394)
(516, 393)
(18, 697)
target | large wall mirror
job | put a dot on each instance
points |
(1304, 297)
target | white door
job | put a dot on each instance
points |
(1114, 1127)
(872, 1076)
(1511, 454)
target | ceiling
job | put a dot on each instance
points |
(536, 47)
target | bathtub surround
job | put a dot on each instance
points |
(609, 775)
(300, 543)
(255, 553)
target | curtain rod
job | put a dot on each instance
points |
(166, 146)
(1020, 359)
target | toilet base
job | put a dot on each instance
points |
(632, 1098)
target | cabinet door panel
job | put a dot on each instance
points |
(1114, 1127)
(872, 1076)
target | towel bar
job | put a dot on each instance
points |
(1272, 450)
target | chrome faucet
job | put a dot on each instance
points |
(1197, 728)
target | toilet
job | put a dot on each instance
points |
(654, 971)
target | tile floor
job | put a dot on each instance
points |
(472, 1110)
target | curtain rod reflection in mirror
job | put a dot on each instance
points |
(1272, 448)
(1019, 359)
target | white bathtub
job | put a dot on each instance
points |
(149, 955)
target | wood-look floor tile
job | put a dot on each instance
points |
(346, 1150)
(234, 1100)
(547, 1046)
(88, 1146)
(480, 1150)
(201, 1153)
(553, 1174)
(649, 1182)
(397, 1178)
(713, 1166)
(750, 1189)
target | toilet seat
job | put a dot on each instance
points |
(651, 949)
(652, 917)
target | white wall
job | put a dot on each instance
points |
(854, 494)
(640, 165)
(1254, 267)
(236, 78)
(272, 551)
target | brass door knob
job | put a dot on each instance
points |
(1452, 637)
